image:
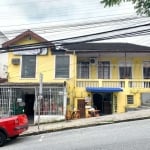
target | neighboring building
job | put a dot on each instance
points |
(116, 76)
(25, 70)
(112, 77)
(3, 58)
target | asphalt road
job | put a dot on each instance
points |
(133, 135)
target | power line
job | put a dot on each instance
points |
(54, 43)
(77, 26)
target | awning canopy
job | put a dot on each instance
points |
(103, 89)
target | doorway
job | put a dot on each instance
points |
(29, 106)
(103, 102)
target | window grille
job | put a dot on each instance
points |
(52, 102)
(83, 70)
(104, 70)
(130, 99)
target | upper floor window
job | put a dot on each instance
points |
(146, 70)
(28, 66)
(125, 70)
(104, 70)
(62, 67)
(83, 70)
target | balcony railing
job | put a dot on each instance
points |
(123, 83)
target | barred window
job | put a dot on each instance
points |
(83, 70)
(130, 99)
(125, 70)
(146, 70)
(104, 70)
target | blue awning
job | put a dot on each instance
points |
(103, 89)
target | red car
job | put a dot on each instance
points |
(11, 127)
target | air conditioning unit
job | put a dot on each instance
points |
(93, 60)
(15, 61)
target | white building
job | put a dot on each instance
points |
(3, 58)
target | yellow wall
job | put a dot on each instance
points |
(46, 66)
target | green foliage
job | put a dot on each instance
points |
(141, 6)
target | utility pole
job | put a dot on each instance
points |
(40, 97)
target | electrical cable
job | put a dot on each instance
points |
(76, 26)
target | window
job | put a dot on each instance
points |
(62, 67)
(146, 70)
(83, 70)
(104, 70)
(125, 71)
(130, 99)
(28, 66)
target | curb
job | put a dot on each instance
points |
(82, 126)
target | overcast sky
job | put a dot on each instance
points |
(18, 12)
(21, 14)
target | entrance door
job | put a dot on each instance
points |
(98, 102)
(29, 105)
(81, 107)
(103, 102)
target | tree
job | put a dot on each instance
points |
(141, 6)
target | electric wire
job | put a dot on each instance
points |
(56, 43)
(58, 29)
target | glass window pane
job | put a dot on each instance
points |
(83, 70)
(62, 67)
(146, 70)
(28, 66)
(125, 72)
(104, 70)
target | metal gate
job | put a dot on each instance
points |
(7, 101)
(52, 102)
(52, 106)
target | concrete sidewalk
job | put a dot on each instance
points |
(79, 123)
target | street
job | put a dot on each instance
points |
(133, 135)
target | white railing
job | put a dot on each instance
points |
(123, 83)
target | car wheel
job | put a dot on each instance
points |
(2, 138)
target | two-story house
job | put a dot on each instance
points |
(115, 76)
(31, 74)
(111, 77)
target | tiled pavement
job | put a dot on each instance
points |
(78, 123)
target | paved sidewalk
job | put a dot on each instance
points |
(78, 123)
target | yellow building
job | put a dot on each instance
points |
(109, 77)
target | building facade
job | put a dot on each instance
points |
(109, 77)
(3, 58)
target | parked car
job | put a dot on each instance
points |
(12, 127)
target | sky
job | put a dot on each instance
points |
(48, 17)
(14, 12)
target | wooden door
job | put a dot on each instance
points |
(107, 107)
(81, 107)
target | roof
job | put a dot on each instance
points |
(21, 36)
(3, 38)
(105, 47)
